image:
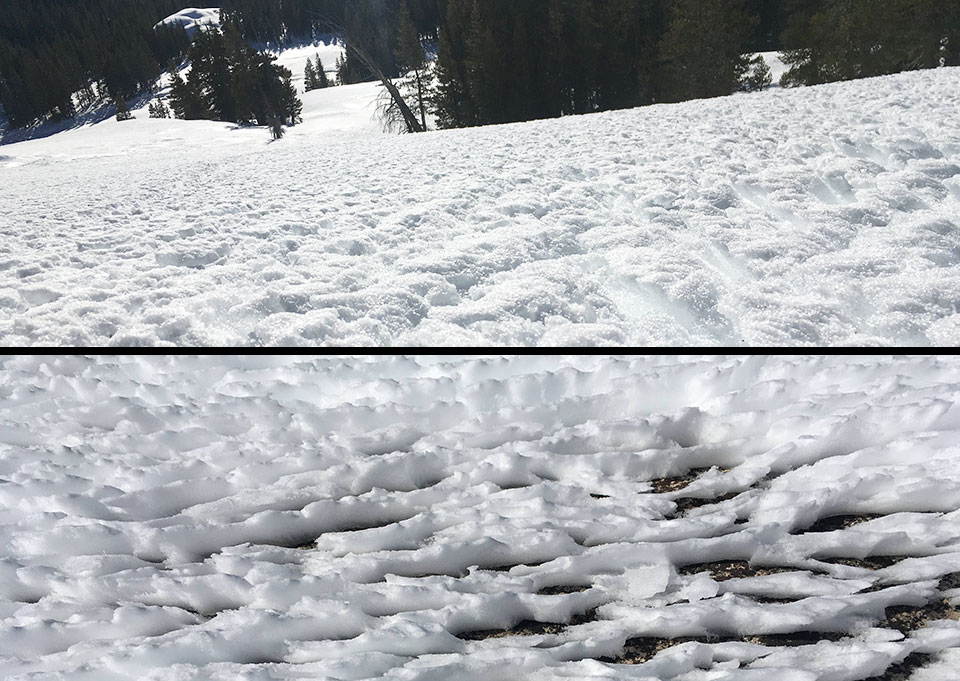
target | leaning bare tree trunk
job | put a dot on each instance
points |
(409, 118)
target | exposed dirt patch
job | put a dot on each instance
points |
(645, 648)
(904, 670)
(675, 484)
(871, 563)
(733, 569)
(907, 618)
(528, 628)
(686, 504)
(948, 582)
(798, 638)
(841, 522)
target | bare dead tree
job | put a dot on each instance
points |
(397, 104)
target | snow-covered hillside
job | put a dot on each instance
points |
(480, 519)
(827, 215)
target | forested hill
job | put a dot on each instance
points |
(499, 60)
(56, 54)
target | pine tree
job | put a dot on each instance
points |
(123, 113)
(185, 100)
(321, 75)
(451, 99)
(309, 77)
(831, 40)
(703, 49)
(412, 62)
(158, 109)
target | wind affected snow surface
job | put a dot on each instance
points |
(813, 216)
(479, 519)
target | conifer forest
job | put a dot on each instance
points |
(496, 60)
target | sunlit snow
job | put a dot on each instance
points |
(479, 519)
(812, 216)
(194, 19)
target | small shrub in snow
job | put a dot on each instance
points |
(123, 113)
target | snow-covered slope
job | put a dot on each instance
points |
(429, 519)
(824, 215)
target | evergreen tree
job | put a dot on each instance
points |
(158, 109)
(321, 74)
(186, 101)
(830, 40)
(451, 99)
(55, 53)
(123, 113)
(703, 49)
(412, 61)
(231, 81)
(309, 77)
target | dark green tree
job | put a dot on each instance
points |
(309, 77)
(412, 62)
(321, 74)
(702, 51)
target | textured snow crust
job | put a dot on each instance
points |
(478, 518)
(824, 215)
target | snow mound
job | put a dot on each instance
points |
(814, 216)
(193, 19)
(481, 518)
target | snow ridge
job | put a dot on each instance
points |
(479, 519)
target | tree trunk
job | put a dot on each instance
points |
(409, 118)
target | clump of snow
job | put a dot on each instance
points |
(193, 19)
(811, 216)
(396, 517)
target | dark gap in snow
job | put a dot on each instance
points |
(600, 496)
(793, 639)
(770, 600)
(156, 559)
(732, 569)
(514, 485)
(528, 628)
(510, 566)
(360, 526)
(205, 615)
(686, 504)
(298, 542)
(676, 483)
(841, 522)
(559, 589)
(871, 563)
(948, 582)
(904, 670)
(645, 648)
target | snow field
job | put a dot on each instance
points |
(817, 216)
(540, 518)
